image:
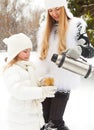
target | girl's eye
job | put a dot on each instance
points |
(25, 51)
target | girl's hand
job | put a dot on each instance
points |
(47, 81)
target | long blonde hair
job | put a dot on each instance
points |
(62, 28)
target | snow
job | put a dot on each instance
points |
(79, 114)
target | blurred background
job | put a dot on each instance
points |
(23, 16)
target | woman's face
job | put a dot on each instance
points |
(24, 55)
(55, 13)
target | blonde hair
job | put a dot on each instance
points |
(62, 28)
(16, 59)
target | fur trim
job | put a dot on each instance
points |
(59, 74)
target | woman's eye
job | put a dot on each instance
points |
(57, 8)
(50, 10)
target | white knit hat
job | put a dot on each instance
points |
(58, 3)
(15, 44)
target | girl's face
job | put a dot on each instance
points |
(55, 13)
(24, 55)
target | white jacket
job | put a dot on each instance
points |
(24, 109)
(64, 79)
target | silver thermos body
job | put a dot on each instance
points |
(74, 65)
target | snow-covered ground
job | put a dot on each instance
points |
(79, 114)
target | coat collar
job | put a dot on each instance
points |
(25, 64)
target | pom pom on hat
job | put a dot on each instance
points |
(17, 43)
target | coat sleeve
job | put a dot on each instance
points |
(21, 89)
(83, 40)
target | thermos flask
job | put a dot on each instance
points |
(77, 66)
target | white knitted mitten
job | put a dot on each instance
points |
(48, 91)
(74, 52)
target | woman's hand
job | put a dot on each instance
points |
(74, 52)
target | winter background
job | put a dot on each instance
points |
(79, 114)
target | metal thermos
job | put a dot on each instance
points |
(74, 65)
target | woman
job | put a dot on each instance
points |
(24, 108)
(60, 32)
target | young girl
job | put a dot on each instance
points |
(25, 109)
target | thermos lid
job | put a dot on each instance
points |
(54, 57)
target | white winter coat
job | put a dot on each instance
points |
(24, 109)
(64, 79)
